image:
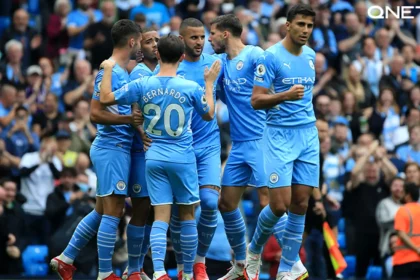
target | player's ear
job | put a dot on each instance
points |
(180, 37)
(182, 58)
(158, 55)
(131, 42)
(287, 25)
(225, 34)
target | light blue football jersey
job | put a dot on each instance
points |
(238, 79)
(279, 70)
(138, 72)
(205, 134)
(115, 137)
(167, 104)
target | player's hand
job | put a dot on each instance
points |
(107, 64)
(319, 209)
(147, 142)
(296, 92)
(137, 118)
(210, 75)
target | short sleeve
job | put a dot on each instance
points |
(129, 93)
(72, 20)
(97, 86)
(200, 103)
(265, 70)
(402, 221)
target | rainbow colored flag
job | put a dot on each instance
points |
(337, 259)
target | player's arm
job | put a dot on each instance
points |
(210, 77)
(265, 73)
(126, 95)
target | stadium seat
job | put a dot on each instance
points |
(350, 271)
(34, 260)
(374, 273)
(342, 225)
(248, 207)
(341, 239)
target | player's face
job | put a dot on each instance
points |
(217, 40)
(135, 46)
(194, 41)
(300, 29)
(149, 45)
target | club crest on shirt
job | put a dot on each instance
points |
(239, 65)
(121, 185)
(136, 188)
(203, 100)
(274, 178)
(261, 70)
(311, 64)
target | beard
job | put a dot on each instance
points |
(108, 20)
(191, 52)
(84, 7)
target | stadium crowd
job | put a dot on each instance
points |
(366, 98)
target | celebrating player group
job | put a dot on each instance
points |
(169, 161)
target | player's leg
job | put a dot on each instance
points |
(183, 178)
(208, 168)
(115, 179)
(141, 205)
(305, 177)
(161, 198)
(236, 175)
(175, 228)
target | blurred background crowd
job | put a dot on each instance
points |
(367, 101)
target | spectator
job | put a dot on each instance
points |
(45, 123)
(78, 87)
(12, 70)
(365, 98)
(385, 215)
(58, 38)
(8, 106)
(98, 36)
(35, 90)
(411, 151)
(38, 171)
(156, 13)
(67, 157)
(31, 40)
(412, 173)
(83, 168)
(8, 162)
(82, 127)
(15, 224)
(78, 22)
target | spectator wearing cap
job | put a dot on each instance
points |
(411, 151)
(35, 90)
(38, 171)
(21, 31)
(7, 105)
(45, 122)
(412, 173)
(12, 70)
(19, 139)
(67, 157)
(385, 214)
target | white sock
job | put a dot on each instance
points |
(103, 275)
(199, 259)
(190, 276)
(65, 259)
(179, 267)
(158, 274)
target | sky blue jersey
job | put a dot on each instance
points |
(115, 137)
(238, 75)
(167, 104)
(205, 134)
(279, 70)
(140, 71)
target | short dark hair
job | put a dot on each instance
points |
(170, 48)
(148, 29)
(21, 108)
(229, 23)
(122, 30)
(300, 9)
(412, 190)
(69, 172)
(189, 22)
(5, 180)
